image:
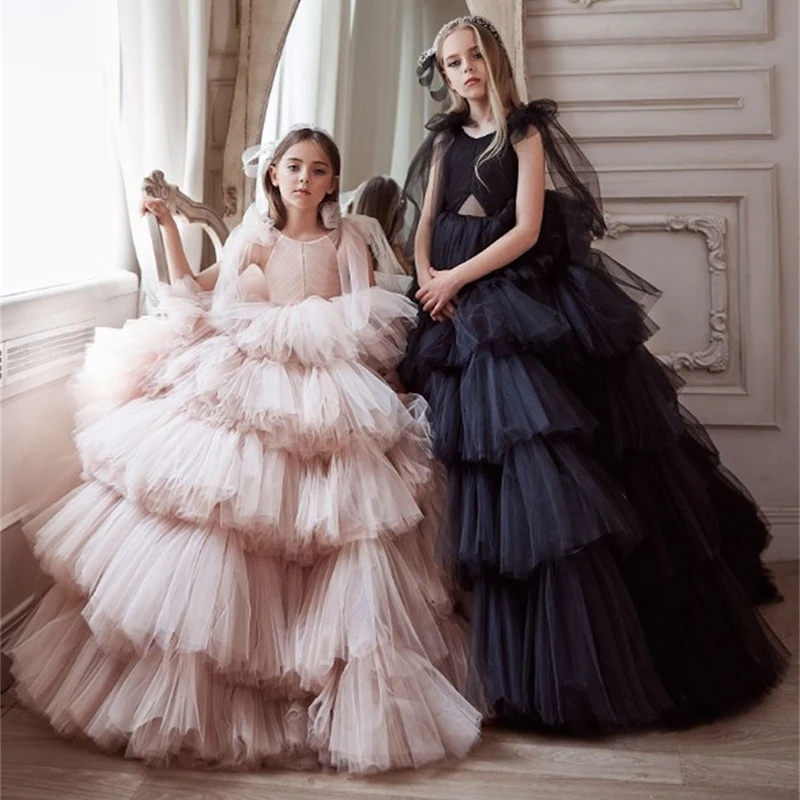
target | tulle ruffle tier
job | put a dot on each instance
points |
(247, 575)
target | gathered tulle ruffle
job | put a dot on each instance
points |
(119, 361)
(159, 707)
(150, 580)
(714, 652)
(495, 315)
(310, 409)
(154, 354)
(284, 505)
(316, 332)
(521, 400)
(378, 702)
(565, 649)
(543, 503)
(390, 702)
(635, 396)
(278, 500)
(605, 306)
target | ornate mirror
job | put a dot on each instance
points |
(265, 25)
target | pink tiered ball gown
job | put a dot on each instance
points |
(246, 577)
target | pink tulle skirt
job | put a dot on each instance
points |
(246, 575)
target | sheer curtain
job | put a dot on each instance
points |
(156, 61)
(96, 94)
(350, 66)
(62, 203)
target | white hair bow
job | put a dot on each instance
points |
(255, 162)
(257, 159)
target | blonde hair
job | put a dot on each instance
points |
(277, 210)
(501, 88)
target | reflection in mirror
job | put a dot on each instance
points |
(349, 66)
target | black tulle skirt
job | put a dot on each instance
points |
(613, 563)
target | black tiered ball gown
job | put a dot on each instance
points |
(613, 562)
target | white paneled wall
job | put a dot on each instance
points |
(689, 111)
(43, 336)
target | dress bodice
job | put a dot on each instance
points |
(296, 270)
(498, 184)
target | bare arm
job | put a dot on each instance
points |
(207, 279)
(370, 268)
(177, 263)
(422, 240)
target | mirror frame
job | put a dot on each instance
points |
(264, 27)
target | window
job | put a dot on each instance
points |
(61, 213)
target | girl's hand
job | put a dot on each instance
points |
(438, 293)
(158, 208)
(393, 379)
(448, 312)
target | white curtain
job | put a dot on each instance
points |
(350, 66)
(156, 59)
(59, 160)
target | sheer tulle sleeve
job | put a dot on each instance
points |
(389, 273)
(247, 244)
(571, 173)
(352, 256)
(381, 315)
(577, 188)
(441, 131)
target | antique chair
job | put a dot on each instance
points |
(155, 186)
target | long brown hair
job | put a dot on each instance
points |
(382, 199)
(501, 88)
(277, 210)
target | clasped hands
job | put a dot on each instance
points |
(438, 294)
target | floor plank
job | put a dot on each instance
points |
(43, 782)
(751, 755)
(740, 772)
(8, 699)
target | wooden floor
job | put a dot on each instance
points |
(750, 757)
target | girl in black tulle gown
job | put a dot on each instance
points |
(613, 562)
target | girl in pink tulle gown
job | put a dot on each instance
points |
(246, 576)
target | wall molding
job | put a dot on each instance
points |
(745, 395)
(13, 517)
(665, 103)
(650, 6)
(715, 357)
(787, 515)
(558, 7)
(599, 22)
(785, 529)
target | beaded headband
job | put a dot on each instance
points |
(426, 63)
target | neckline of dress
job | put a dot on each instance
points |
(477, 138)
(304, 241)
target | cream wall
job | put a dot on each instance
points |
(690, 113)
(43, 335)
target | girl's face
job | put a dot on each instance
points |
(464, 66)
(304, 175)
